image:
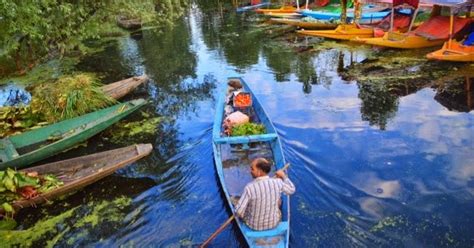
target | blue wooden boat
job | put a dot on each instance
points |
(252, 7)
(366, 16)
(233, 168)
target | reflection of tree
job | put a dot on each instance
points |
(108, 63)
(167, 55)
(378, 104)
(239, 44)
(305, 71)
(457, 95)
(280, 60)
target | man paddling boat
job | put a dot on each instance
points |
(259, 205)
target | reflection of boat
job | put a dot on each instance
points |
(251, 7)
(26, 148)
(284, 9)
(79, 172)
(121, 88)
(270, 145)
(316, 24)
(433, 32)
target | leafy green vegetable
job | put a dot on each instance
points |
(15, 185)
(248, 129)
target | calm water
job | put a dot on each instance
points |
(373, 167)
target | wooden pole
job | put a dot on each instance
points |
(391, 18)
(219, 230)
(451, 26)
(413, 19)
(344, 11)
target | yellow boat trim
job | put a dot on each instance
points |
(342, 32)
(453, 52)
(401, 41)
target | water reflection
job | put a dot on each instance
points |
(457, 95)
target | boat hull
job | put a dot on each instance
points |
(285, 9)
(401, 41)
(342, 32)
(79, 172)
(251, 7)
(367, 17)
(223, 145)
(453, 52)
(68, 133)
(304, 24)
(121, 88)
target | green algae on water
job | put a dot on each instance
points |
(46, 226)
(104, 211)
(135, 131)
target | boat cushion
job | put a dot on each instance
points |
(280, 229)
(469, 40)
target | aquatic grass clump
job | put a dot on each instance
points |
(69, 97)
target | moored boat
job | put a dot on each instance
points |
(453, 51)
(121, 88)
(284, 9)
(79, 172)
(233, 167)
(283, 15)
(366, 16)
(342, 32)
(23, 149)
(433, 32)
(305, 24)
(251, 7)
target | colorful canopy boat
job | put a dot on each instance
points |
(79, 172)
(233, 167)
(23, 149)
(453, 50)
(433, 32)
(396, 20)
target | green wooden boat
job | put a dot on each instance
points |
(21, 150)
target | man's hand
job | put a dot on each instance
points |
(280, 174)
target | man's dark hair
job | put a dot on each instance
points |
(263, 165)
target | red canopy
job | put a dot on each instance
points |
(413, 3)
(438, 27)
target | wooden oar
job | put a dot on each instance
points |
(227, 222)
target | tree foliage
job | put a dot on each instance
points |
(32, 29)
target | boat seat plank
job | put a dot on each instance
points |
(7, 150)
(279, 230)
(246, 139)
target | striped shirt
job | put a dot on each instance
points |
(259, 205)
